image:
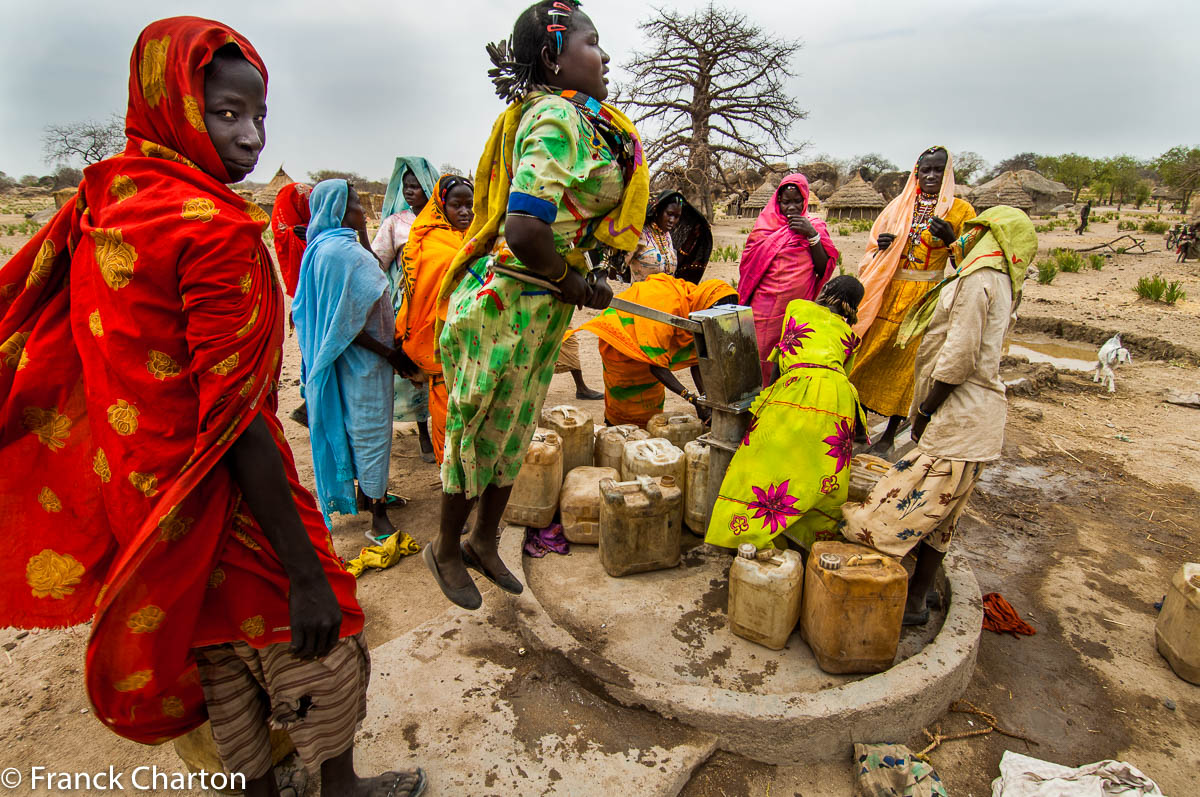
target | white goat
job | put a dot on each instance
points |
(1111, 354)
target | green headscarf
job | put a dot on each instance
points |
(1002, 238)
(427, 176)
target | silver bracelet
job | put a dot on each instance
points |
(816, 239)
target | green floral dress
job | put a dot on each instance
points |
(791, 474)
(502, 335)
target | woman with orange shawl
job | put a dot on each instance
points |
(788, 256)
(434, 240)
(896, 275)
(289, 223)
(639, 354)
(149, 488)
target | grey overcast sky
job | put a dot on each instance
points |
(355, 83)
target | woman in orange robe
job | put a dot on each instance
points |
(639, 354)
(434, 240)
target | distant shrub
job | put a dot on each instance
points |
(1157, 289)
(727, 254)
(1096, 262)
(1047, 271)
(1158, 227)
(1127, 225)
(1067, 260)
(844, 231)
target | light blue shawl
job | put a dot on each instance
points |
(422, 169)
(348, 388)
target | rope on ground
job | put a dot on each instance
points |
(937, 738)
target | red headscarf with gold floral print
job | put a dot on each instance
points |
(140, 334)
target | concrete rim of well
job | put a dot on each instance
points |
(786, 728)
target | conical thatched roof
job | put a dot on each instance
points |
(1165, 192)
(857, 195)
(265, 196)
(762, 195)
(1004, 190)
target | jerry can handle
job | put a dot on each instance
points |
(858, 560)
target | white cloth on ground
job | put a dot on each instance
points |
(1023, 776)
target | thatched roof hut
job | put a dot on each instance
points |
(855, 200)
(265, 196)
(760, 197)
(1004, 190)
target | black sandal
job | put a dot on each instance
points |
(505, 581)
(467, 597)
(416, 790)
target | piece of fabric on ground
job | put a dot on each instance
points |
(1000, 616)
(1023, 776)
(889, 770)
(383, 555)
(539, 542)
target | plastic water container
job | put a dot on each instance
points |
(654, 457)
(679, 428)
(696, 512)
(765, 589)
(865, 472)
(853, 607)
(578, 434)
(638, 532)
(534, 498)
(1178, 631)
(610, 443)
(579, 503)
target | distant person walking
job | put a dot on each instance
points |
(1083, 218)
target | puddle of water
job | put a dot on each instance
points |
(1064, 355)
(1000, 479)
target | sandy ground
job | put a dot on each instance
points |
(1080, 526)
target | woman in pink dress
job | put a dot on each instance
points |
(787, 256)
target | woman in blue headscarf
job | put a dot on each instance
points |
(345, 325)
(408, 191)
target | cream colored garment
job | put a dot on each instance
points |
(1024, 776)
(877, 269)
(963, 346)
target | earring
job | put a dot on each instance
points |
(556, 68)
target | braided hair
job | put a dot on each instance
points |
(449, 183)
(842, 295)
(517, 63)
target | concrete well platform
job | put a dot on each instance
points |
(661, 641)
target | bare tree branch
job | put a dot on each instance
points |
(84, 142)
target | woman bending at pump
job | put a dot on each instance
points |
(344, 323)
(896, 274)
(788, 256)
(577, 179)
(435, 239)
(408, 192)
(640, 355)
(791, 473)
(676, 241)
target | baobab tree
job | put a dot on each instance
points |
(710, 86)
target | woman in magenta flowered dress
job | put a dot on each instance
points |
(791, 474)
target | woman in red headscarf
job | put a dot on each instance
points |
(149, 488)
(789, 255)
(289, 223)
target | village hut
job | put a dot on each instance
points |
(760, 197)
(963, 191)
(1004, 190)
(265, 196)
(855, 200)
(1165, 194)
(890, 184)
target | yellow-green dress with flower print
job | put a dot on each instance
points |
(791, 474)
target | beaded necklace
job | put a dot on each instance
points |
(662, 242)
(922, 215)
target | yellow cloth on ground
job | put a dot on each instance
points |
(384, 555)
(884, 373)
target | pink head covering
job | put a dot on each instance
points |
(877, 268)
(769, 236)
